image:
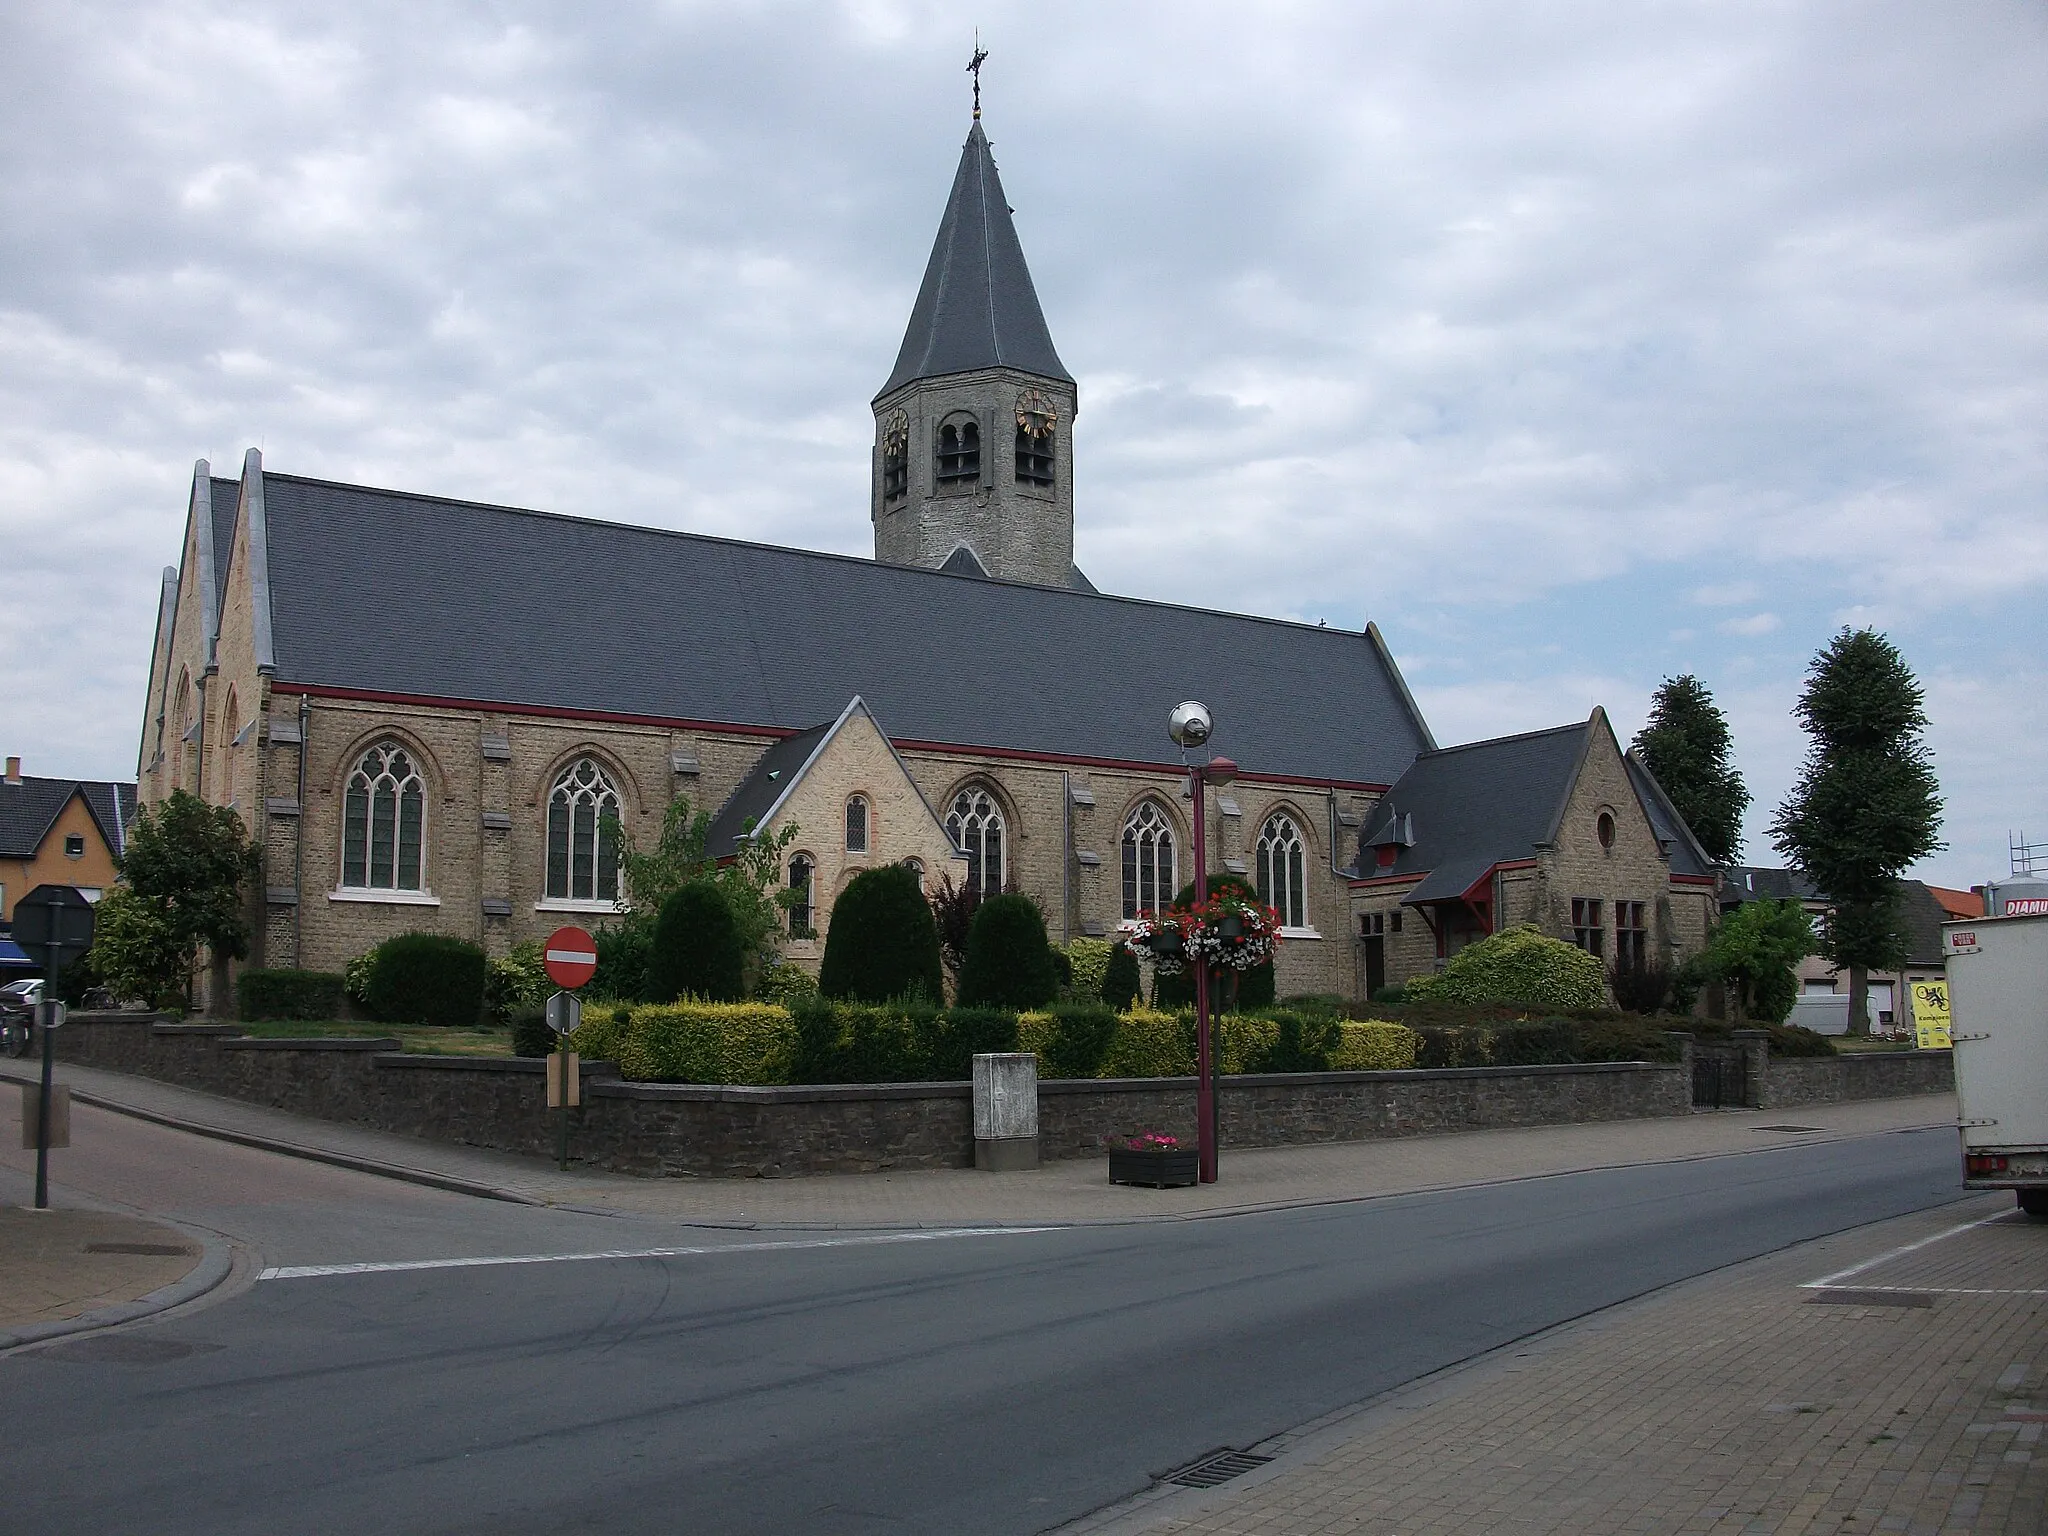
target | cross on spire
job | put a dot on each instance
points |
(974, 69)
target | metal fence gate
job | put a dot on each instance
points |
(1720, 1077)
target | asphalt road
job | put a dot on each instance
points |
(968, 1384)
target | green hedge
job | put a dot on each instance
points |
(516, 983)
(1518, 965)
(882, 942)
(289, 995)
(427, 978)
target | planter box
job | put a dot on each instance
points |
(1159, 1168)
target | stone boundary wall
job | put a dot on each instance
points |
(689, 1129)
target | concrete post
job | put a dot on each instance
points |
(1756, 1064)
(1006, 1112)
(1685, 1053)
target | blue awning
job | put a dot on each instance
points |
(12, 955)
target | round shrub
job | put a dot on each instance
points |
(427, 978)
(697, 950)
(1120, 980)
(882, 943)
(1008, 964)
(784, 983)
(1520, 966)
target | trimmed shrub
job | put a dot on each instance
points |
(1537, 1043)
(1009, 964)
(622, 954)
(884, 1044)
(1521, 966)
(692, 1042)
(1088, 960)
(1438, 1045)
(601, 1037)
(816, 1057)
(697, 951)
(1786, 1039)
(882, 943)
(784, 983)
(516, 983)
(1121, 980)
(288, 995)
(1079, 1040)
(427, 978)
(958, 1035)
(1149, 1043)
(1297, 1044)
(531, 1035)
(1373, 1045)
(1621, 1040)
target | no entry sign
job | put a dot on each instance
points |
(571, 957)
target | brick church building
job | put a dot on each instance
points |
(426, 710)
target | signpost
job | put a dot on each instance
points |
(53, 923)
(570, 956)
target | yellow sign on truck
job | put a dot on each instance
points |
(1930, 1015)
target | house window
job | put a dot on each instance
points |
(1586, 929)
(583, 854)
(74, 845)
(1631, 934)
(1283, 871)
(975, 823)
(801, 868)
(1604, 827)
(857, 824)
(896, 458)
(1036, 418)
(959, 454)
(1148, 859)
(382, 819)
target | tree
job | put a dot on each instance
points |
(1867, 803)
(751, 882)
(1687, 746)
(882, 943)
(1009, 962)
(182, 881)
(1754, 952)
(697, 950)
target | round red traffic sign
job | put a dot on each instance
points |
(570, 957)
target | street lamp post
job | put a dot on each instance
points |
(1190, 725)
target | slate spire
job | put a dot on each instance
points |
(976, 308)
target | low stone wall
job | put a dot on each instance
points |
(687, 1129)
(1865, 1075)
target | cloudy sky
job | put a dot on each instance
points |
(1577, 344)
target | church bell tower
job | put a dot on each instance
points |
(973, 465)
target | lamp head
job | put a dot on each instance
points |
(1189, 725)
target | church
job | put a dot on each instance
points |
(429, 711)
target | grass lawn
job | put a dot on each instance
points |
(418, 1039)
(1854, 1045)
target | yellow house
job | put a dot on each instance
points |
(59, 832)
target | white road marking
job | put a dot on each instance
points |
(1828, 1282)
(313, 1271)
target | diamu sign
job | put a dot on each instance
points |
(570, 957)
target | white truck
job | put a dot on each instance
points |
(1998, 1005)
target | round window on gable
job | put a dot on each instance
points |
(1605, 827)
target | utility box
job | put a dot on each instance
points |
(1998, 1023)
(32, 1114)
(1006, 1112)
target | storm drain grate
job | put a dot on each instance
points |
(147, 1250)
(1216, 1468)
(1870, 1299)
(1797, 1130)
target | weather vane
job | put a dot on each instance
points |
(974, 69)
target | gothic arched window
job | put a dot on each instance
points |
(583, 857)
(1149, 873)
(1036, 419)
(959, 453)
(896, 457)
(857, 824)
(975, 823)
(1283, 871)
(801, 868)
(383, 818)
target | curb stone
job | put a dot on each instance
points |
(216, 1263)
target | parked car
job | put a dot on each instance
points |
(18, 1001)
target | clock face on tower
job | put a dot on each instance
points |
(1035, 413)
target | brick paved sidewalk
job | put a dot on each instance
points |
(61, 1264)
(1073, 1191)
(1906, 1395)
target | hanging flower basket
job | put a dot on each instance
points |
(1229, 930)
(1156, 936)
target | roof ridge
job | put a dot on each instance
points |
(272, 477)
(1495, 741)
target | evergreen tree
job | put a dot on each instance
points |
(1687, 746)
(698, 950)
(1009, 963)
(1866, 805)
(882, 943)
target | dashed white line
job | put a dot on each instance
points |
(865, 1240)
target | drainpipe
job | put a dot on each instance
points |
(1067, 862)
(299, 845)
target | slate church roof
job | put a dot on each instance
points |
(425, 598)
(976, 307)
(1459, 811)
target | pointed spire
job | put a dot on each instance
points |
(976, 307)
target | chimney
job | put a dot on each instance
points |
(14, 770)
